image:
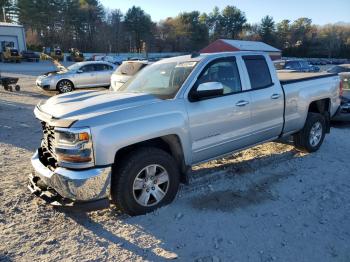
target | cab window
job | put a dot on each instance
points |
(258, 71)
(225, 72)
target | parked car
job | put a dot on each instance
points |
(78, 75)
(134, 146)
(344, 72)
(125, 71)
(30, 56)
(300, 66)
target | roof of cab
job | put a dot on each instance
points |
(201, 56)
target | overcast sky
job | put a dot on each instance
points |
(320, 11)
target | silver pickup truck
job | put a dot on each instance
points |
(132, 147)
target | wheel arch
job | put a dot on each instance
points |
(169, 143)
(322, 107)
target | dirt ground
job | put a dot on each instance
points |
(268, 203)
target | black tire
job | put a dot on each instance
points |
(17, 88)
(302, 139)
(129, 167)
(65, 86)
(10, 88)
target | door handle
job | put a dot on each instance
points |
(242, 103)
(275, 96)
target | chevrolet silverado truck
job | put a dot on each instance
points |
(132, 147)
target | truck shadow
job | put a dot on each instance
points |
(235, 165)
(227, 201)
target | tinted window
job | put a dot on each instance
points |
(129, 68)
(258, 71)
(102, 67)
(223, 71)
(338, 69)
(292, 64)
(88, 68)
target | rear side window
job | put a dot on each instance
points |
(258, 71)
(129, 68)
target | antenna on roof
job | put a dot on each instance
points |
(195, 54)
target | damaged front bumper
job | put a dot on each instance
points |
(66, 187)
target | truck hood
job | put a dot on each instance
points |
(87, 104)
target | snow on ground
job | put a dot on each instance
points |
(268, 203)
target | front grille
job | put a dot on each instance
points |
(48, 144)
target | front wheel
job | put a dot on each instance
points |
(65, 86)
(311, 137)
(144, 180)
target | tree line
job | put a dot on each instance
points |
(90, 27)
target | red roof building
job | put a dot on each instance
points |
(227, 45)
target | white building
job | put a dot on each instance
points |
(13, 33)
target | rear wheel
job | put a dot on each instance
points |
(311, 137)
(144, 180)
(65, 86)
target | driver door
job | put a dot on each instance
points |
(220, 124)
(86, 76)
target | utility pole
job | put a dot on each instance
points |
(4, 14)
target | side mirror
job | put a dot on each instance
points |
(79, 71)
(207, 90)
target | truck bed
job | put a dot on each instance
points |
(294, 77)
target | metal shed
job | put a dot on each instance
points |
(12, 33)
(228, 45)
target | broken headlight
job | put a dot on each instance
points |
(73, 147)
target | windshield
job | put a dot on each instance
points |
(129, 68)
(162, 80)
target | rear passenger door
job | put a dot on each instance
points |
(267, 99)
(219, 124)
